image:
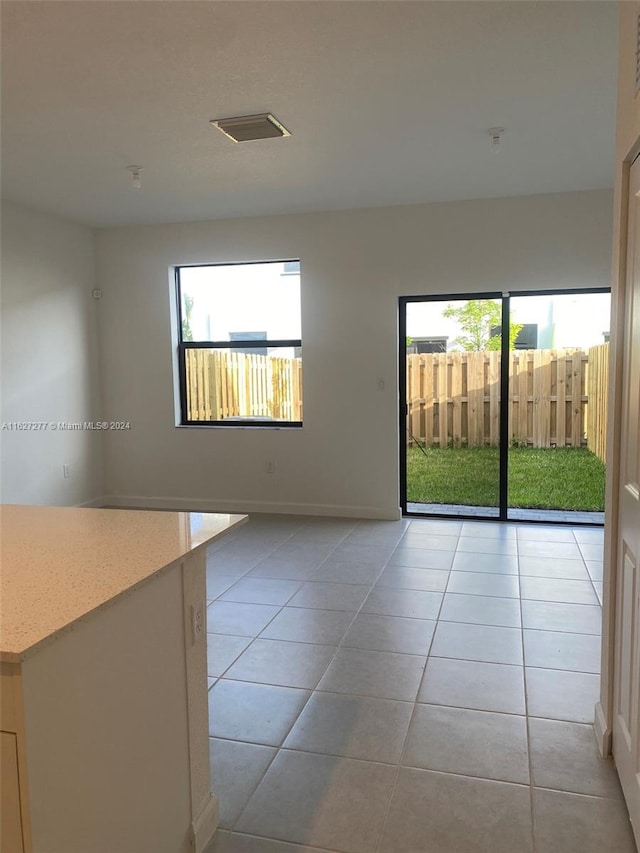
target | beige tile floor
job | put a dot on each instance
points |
(420, 686)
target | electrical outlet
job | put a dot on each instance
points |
(269, 466)
(197, 621)
(66, 471)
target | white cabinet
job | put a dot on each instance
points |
(105, 721)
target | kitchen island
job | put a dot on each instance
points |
(103, 680)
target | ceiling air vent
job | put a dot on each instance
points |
(246, 128)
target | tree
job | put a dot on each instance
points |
(187, 334)
(478, 319)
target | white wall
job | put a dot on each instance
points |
(49, 359)
(354, 266)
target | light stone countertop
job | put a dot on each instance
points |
(59, 564)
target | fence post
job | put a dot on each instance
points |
(561, 400)
(597, 389)
(576, 398)
(493, 380)
(541, 398)
(456, 395)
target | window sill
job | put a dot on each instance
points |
(241, 424)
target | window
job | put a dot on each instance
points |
(240, 344)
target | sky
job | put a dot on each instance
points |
(574, 320)
(262, 298)
(243, 298)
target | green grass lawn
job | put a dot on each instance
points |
(558, 478)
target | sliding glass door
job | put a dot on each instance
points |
(452, 429)
(540, 456)
(558, 376)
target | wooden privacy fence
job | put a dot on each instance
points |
(556, 398)
(597, 388)
(223, 384)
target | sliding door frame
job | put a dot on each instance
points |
(504, 297)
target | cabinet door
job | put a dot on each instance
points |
(11, 825)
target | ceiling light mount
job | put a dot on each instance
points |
(136, 180)
(495, 135)
(249, 128)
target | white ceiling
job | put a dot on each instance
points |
(387, 102)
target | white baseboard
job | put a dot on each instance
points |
(240, 506)
(96, 503)
(205, 825)
(602, 732)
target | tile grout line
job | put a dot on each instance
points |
(400, 765)
(281, 608)
(402, 654)
(277, 749)
(312, 691)
(593, 586)
(526, 710)
(413, 710)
